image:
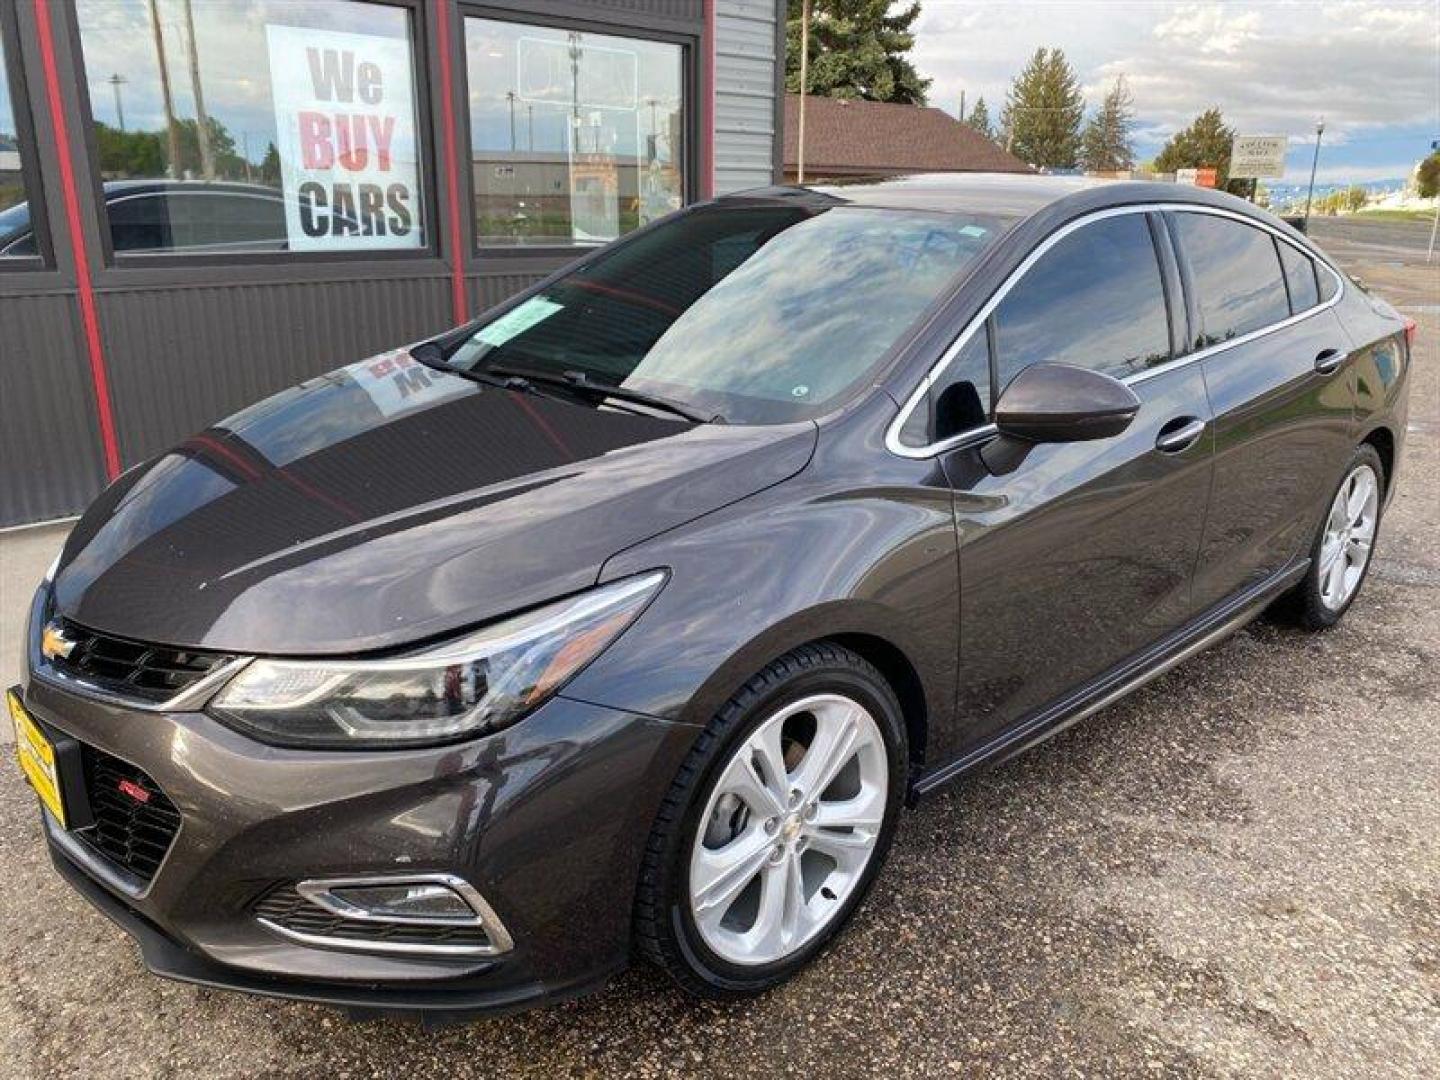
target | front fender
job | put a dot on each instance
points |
(807, 559)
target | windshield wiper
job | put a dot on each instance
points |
(578, 380)
(432, 356)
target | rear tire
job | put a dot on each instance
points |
(776, 825)
(1344, 547)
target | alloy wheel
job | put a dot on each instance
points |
(1349, 537)
(789, 829)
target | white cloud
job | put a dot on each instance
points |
(1271, 67)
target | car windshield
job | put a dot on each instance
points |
(756, 313)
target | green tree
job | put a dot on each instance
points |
(1356, 197)
(1105, 144)
(129, 153)
(1205, 144)
(858, 49)
(1043, 110)
(1427, 177)
(270, 166)
(979, 119)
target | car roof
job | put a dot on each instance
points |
(1014, 195)
(114, 188)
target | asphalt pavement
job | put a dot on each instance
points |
(1235, 872)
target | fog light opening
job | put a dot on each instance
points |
(432, 914)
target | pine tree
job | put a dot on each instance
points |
(979, 119)
(1105, 144)
(857, 50)
(1043, 110)
(1205, 144)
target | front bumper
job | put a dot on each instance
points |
(547, 820)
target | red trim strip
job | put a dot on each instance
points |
(707, 134)
(84, 289)
(452, 169)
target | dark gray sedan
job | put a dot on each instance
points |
(627, 618)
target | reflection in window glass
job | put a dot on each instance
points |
(1300, 275)
(16, 239)
(249, 125)
(1094, 300)
(960, 399)
(759, 314)
(1236, 274)
(577, 138)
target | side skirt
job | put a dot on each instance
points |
(1214, 625)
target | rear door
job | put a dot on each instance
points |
(1277, 366)
(1082, 555)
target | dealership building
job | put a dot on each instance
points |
(205, 201)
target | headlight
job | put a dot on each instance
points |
(477, 684)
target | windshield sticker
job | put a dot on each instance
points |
(514, 323)
(973, 230)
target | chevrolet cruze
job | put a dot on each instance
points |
(625, 619)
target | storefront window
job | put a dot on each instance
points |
(17, 238)
(248, 125)
(576, 137)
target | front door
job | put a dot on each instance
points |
(1082, 553)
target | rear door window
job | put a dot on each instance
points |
(1300, 276)
(1236, 275)
(1095, 300)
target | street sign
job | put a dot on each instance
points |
(1197, 177)
(1258, 157)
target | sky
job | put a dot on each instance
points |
(1274, 67)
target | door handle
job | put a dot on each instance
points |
(1329, 360)
(1179, 434)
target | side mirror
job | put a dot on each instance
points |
(1054, 403)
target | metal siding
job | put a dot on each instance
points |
(745, 102)
(50, 461)
(181, 359)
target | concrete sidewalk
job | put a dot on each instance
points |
(24, 556)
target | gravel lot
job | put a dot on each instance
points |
(1236, 872)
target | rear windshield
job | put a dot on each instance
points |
(758, 314)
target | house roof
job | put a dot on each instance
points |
(875, 138)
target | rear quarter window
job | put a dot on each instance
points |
(1300, 276)
(1236, 274)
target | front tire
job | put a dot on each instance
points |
(1343, 551)
(776, 825)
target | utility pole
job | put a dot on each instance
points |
(804, 89)
(116, 81)
(172, 131)
(510, 97)
(202, 118)
(1314, 162)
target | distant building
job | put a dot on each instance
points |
(846, 139)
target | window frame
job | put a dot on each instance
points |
(1183, 357)
(419, 15)
(1199, 324)
(689, 90)
(993, 323)
(30, 178)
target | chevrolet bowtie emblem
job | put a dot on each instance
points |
(54, 643)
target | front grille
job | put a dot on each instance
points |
(152, 673)
(135, 822)
(286, 908)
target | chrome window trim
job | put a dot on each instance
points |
(987, 431)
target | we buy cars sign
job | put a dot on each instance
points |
(345, 118)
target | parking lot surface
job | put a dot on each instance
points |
(1235, 872)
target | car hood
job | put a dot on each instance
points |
(387, 503)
